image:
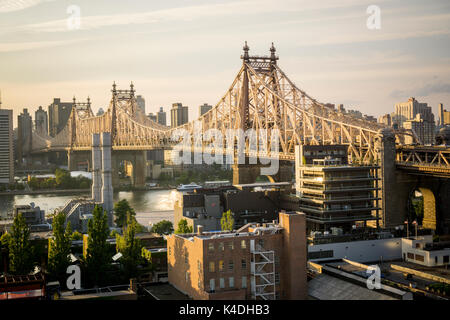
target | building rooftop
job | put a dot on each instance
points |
(262, 185)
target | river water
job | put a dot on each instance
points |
(151, 206)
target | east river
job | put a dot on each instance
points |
(151, 206)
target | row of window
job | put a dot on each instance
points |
(230, 245)
(212, 283)
(212, 265)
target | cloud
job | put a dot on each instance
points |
(191, 13)
(32, 45)
(424, 91)
(17, 5)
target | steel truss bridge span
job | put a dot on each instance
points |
(261, 97)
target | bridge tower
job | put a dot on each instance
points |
(247, 173)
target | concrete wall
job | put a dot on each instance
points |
(362, 251)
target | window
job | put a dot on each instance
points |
(231, 245)
(277, 261)
(221, 265)
(243, 244)
(231, 282)
(244, 282)
(445, 259)
(321, 254)
(230, 265)
(261, 242)
(210, 246)
(222, 283)
(419, 257)
(212, 285)
(410, 255)
(211, 266)
(199, 265)
(244, 264)
(187, 276)
(186, 258)
(221, 246)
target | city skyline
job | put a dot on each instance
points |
(340, 61)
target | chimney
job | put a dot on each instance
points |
(96, 168)
(107, 190)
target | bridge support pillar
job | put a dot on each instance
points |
(395, 186)
(247, 173)
(138, 178)
(79, 160)
(115, 164)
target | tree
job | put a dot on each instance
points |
(130, 248)
(98, 256)
(77, 235)
(59, 246)
(121, 210)
(20, 250)
(63, 178)
(183, 227)
(227, 221)
(163, 227)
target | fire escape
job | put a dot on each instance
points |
(262, 272)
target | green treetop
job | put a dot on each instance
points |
(121, 210)
(227, 221)
(183, 227)
(20, 249)
(130, 247)
(59, 246)
(98, 254)
(163, 227)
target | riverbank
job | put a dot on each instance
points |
(47, 191)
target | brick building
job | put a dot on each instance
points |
(257, 261)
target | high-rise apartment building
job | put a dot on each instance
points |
(444, 116)
(178, 115)
(258, 261)
(161, 117)
(408, 111)
(24, 132)
(141, 103)
(58, 114)
(331, 193)
(41, 121)
(385, 119)
(6, 147)
(423, 129)
(416, 116)
(204, 108)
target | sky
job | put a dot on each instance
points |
(189, 50)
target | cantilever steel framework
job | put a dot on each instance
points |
(260, 97)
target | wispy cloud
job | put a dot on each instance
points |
(17, 5)
(191, 13)
(32, 45)
(423, 91)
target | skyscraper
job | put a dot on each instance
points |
(161, 117)
(178, 115)
(41, 121)
(140, 102)
(24, 131)
(58, 114)
(204, 108)
(6, 147)
(416, 116)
